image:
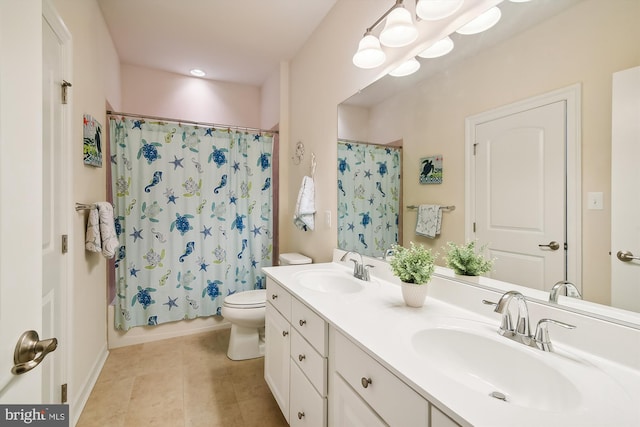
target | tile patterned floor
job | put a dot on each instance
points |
(181, 382)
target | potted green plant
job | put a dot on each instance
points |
(414, 267)
(465, 260)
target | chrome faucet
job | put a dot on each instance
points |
(521, 332)
(360, 270)
(570, 290)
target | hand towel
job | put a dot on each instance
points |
(303, 217)
(101, 231)
(429, 221)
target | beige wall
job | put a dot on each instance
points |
(96, 81)
(585, 44)
(159, 93)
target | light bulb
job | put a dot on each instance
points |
(410, 66)
(431, 10)
(398, 29)
(482, 22)
(439, 48)
(369, 54)
(197, 72)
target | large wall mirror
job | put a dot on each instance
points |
(538, 47)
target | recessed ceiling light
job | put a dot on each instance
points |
(197, 72)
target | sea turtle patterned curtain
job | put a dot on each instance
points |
(368, 197)
(193, 218)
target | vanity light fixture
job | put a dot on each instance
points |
(438, 49)
(369, 54)
(410, 66)
(481, 23)
(398, 30)
(432, 10)
(197, 72)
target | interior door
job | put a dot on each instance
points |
(20, 190)
(54, 201)
(625, 196)
(520, 187)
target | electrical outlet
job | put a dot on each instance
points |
(327, 218)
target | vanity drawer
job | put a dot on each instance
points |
(393, 400)
(279, 298)
(310, 325)
(307, 407)
(310, 362)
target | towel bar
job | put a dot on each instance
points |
(85, 206)
(444, 208)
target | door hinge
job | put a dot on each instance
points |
(474, 148)
(474, 227)
(65, 243)
(65, 85)
(63, 393)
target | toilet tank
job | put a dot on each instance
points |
(294, 258)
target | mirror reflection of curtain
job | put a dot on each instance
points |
(368, 197)
(193, 208)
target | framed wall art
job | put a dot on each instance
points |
(92, 146)
(431, 170)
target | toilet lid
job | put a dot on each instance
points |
(247, 299)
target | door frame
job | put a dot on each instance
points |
(573, 215)
(65, 339)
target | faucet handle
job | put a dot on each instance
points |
(542, 333)
(506, 326)
(365, 271)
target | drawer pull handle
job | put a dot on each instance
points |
(274, 296)
(365, 382)
(285, 333)
(302, 322)
(301, 357)
(300, 415)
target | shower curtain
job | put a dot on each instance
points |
(193, 218)
(368, 197)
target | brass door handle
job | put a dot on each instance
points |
(30, 351)
(553, 245)
(626, 256)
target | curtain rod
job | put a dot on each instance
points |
(165, 119)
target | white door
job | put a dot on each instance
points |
(55, 204)
(276, 357)
(520, 207)
(625, 191)
(20, 191)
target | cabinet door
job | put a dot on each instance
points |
(276, 357)
(308, 408)
(347, 409)
(439, 419)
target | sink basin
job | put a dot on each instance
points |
(497, 369)
(329, 281)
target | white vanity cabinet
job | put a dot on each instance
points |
(296, 358)
(363, 392)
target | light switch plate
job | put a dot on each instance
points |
(595, 201)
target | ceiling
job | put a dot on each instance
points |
(234, 41)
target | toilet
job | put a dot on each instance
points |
(245, 311)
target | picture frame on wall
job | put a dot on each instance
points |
(431, 170)
(92, 145)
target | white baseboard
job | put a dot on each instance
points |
(76, 407)
(143, 334)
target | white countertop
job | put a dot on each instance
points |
(377, 319)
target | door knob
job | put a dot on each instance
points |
(30, 351)
(626, 256)
(553, 245)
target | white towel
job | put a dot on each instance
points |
(101, 231)
(429, 220)
(303, 217)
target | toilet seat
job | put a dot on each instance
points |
(247, 299)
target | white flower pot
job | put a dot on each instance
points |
(414, 295)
